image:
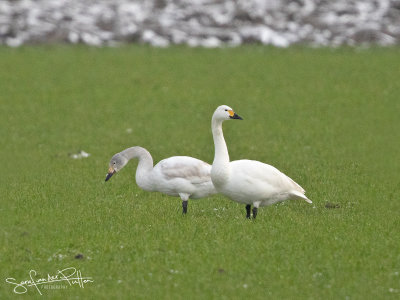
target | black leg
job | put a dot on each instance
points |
(255, 212)
(248, 207)
(184, 207)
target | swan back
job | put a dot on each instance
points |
(269, 175)
(184, 166)
(183, 174)
(252, 181)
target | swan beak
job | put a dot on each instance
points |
(234, 115)
(110, 173)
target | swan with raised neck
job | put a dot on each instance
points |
(247, 181)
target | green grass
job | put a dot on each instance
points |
(327, 118)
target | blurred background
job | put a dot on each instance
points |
(205, 23)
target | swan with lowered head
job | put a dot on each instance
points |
(247, 181)
(180, 176)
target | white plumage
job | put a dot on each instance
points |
(180, 176)
(247, 181)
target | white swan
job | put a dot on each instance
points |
(179, 176)
(247, 181)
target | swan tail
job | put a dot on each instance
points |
(300, 195)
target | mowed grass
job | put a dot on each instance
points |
(327, 118)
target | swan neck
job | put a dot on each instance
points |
(145, 165)
(221, 156)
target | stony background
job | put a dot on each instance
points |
(207, 23)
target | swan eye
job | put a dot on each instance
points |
(226, 110)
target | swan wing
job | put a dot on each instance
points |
(184, 167)
(259, 173)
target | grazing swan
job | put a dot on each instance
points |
(247, 181)
(179, 176)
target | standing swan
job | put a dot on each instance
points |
(179, 176)
(247, 181)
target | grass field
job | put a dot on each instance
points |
(327, 118)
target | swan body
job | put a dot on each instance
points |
(247, 181)
(258, 182)
(179, 176)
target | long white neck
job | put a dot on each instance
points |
(220, 171)
(144, 168)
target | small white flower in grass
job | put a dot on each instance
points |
(84, 154)
(79, 155)
(119, 281)
(129, 130)
(245, 286)
(318, 274)
(56, 256)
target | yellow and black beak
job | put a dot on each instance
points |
(110, 173)
(233, 115)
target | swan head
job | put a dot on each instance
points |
(117, 162)
(224, 112)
